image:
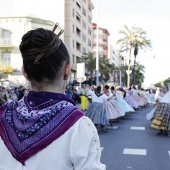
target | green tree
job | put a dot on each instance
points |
(166, 81)
(90, 64)
(139, 73)
(105, 68)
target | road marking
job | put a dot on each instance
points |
(169, 153)
(137, 128)
(135, 151)
(101, 148)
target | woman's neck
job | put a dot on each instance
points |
(50, 87)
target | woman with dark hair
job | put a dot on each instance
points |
(96, 110)
(45, 130)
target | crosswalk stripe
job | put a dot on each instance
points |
(101, 148)
(135, 151)
(137, 128)
(169, 153)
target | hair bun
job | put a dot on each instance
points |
(38, 41)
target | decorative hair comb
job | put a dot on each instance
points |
(39, 56)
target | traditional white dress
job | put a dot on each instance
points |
(96, 110)
(72, 151)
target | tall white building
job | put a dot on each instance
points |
(78, 30)
(114, 56)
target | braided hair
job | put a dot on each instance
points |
(44, 55)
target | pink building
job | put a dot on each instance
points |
(103, 41)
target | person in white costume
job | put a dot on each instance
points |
(96, 110)
(45, 130)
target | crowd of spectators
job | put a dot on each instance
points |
(13, 93)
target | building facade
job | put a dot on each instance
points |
(74, 16)
(11, 31)
(103, 41)
(78, 30)
(114, 56)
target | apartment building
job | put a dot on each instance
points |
(74, 16)
(103, 41)
(114, 56)
(11, 31)
(78, 30)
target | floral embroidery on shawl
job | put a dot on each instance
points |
(34, 122)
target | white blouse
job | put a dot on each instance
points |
(98, 99)
(77, 149)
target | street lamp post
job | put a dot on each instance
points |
(135, 54)
(97, 44)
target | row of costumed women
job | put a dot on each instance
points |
(110, 104)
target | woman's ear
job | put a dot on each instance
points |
(24, 73)
(67, 71)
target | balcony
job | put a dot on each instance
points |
(6, 42)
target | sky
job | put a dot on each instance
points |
(153, 16)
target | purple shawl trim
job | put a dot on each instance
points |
(25, 136)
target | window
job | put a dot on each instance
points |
(73, 28)
(78, 32)
(89, 43)
(6, 58)
(73, 43)
(84, 12)
(78, 46)
(89, 19)
(84, 25)
(84, 38)
(73, 12)
(78, 5)
(78, 18)
(6, 36)
(89, 31)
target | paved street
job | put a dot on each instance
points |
(132, 144)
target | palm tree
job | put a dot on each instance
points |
(131, 38)
(104, 66)
(134, 37)
(90, 64)
(139, 73)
